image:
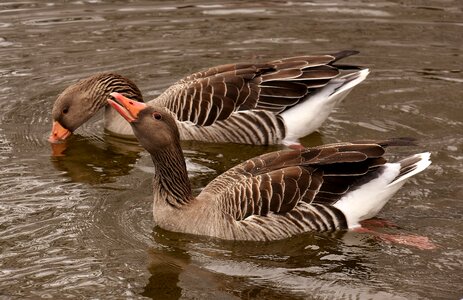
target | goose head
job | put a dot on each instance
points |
(82, 100)
(154, 127)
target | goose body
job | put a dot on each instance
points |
(272, 196)
(276, 102)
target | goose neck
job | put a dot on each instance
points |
(171, 177)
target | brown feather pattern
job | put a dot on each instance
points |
(250, 127)
(213, 95)
(309, 181)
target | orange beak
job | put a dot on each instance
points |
(58, 133)
(129, 109)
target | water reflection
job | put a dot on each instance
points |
(94, 161)
(335, 264)
(175, 276)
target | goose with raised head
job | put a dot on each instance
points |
(272, 196)
(276, 102)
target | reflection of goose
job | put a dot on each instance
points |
(268, 103)
(174, 276)
(94, 162)
(272, 196)
(196, 265)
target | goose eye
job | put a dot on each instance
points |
(65, 110)
(157, 116)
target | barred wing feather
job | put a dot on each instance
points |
(208, 96)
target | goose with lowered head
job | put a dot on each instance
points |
(276, 102)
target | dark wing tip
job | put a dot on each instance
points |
(399, 141)
(344, 53)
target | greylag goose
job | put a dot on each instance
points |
(272, 196)
(268, 103)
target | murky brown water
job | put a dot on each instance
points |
(80, 225)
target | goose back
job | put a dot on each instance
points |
(288, 192)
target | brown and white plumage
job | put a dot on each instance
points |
(255, 103)
(272, 196)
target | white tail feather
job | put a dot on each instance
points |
(367, 200)
(308, 115)
(350, 80)
(423, 162)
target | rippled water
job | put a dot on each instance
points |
(79, 224)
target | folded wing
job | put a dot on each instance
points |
(208, 96)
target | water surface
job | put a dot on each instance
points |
(80, 225)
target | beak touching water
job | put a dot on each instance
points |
(58, 133)
(129, 109)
